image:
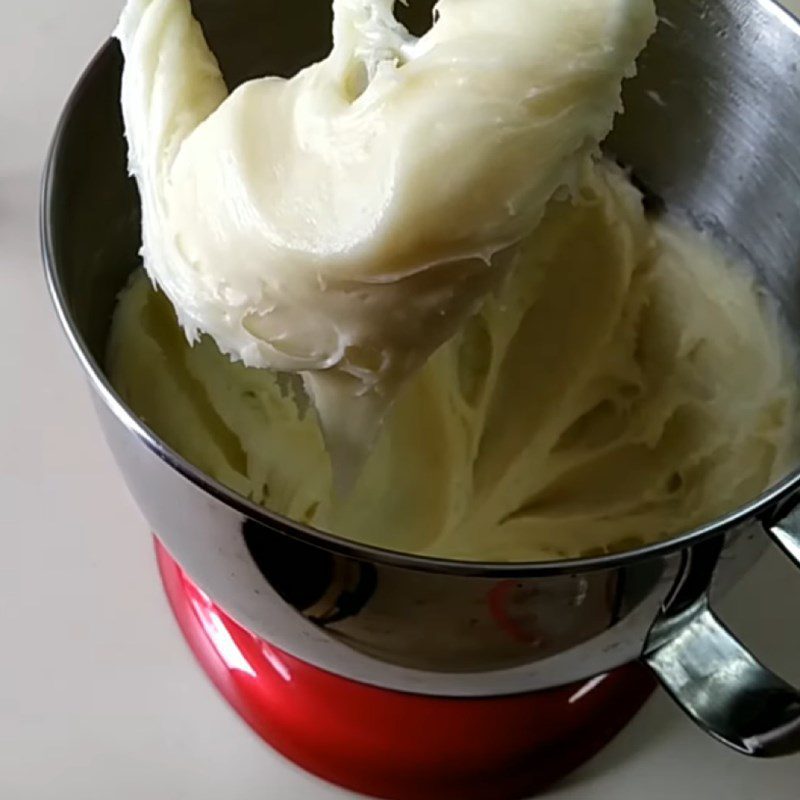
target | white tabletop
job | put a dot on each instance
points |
(99, 696)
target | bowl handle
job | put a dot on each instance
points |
(715, 679)
(726, 691)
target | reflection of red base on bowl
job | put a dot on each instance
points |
(396, 745)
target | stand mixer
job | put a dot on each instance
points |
(412, 677)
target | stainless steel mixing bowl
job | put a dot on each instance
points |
(712, 128)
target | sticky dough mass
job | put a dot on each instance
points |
(343, 224)
(625, 382)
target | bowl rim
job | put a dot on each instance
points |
(761, 508)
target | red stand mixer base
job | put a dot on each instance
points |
(395, 745)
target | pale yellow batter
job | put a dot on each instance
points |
(625, 382)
